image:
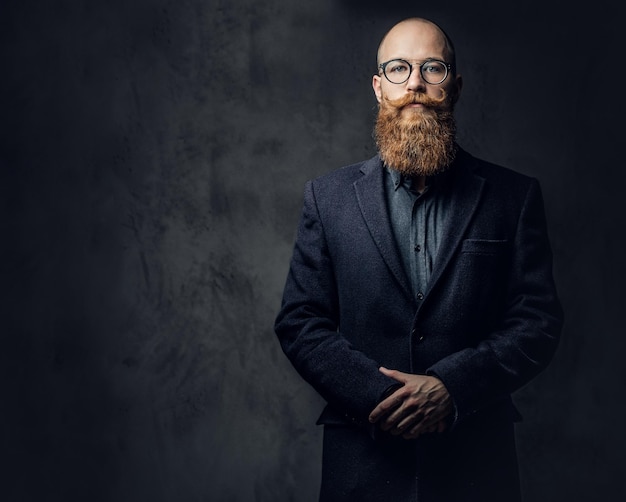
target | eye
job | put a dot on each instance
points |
(397, 67)
(434, 68)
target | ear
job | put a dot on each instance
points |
(458, 84)
(376, 86)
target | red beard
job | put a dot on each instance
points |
(416, 141)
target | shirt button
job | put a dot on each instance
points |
(417, 248)
(420, 296)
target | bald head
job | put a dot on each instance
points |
(413, 32)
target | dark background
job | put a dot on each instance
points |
(153, 156)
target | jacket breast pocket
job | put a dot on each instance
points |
(486, 247)
(479, 282)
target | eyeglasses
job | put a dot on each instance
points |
(398, 71)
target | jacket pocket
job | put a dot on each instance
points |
(484, 246)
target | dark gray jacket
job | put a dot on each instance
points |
(489, 322)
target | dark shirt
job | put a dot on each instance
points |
(417, 221)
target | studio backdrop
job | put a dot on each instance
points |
(153, 155)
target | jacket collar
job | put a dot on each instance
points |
(371, 198)
(465, 190)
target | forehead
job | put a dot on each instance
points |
(413, 40)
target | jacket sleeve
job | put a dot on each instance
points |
(528, 333)
(308, 326)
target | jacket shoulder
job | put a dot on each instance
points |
(345, 175)
(494, 172)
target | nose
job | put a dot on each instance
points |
(416, 82)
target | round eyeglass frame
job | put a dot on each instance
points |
(447, 66)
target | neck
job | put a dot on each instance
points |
(419, 183)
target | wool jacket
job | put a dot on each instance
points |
(487, 323)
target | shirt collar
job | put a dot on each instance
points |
(401, 180)
(396, 177)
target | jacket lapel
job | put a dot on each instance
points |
(370, 194)
(465, 191)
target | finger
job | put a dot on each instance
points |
(404, 418)
(393, 418)
(395, 374)
(428, 424)
(423, 427)
(404, 413)
(408, 423)
(385, 407)
(427, 427)
(414, 432)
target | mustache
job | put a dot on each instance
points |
(418, 98)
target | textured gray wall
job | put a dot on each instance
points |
(153, 156)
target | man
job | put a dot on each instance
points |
(420, 296)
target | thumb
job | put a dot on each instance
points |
(395, 374)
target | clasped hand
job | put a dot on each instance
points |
(420, 406)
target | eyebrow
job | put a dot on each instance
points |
(423, 60)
